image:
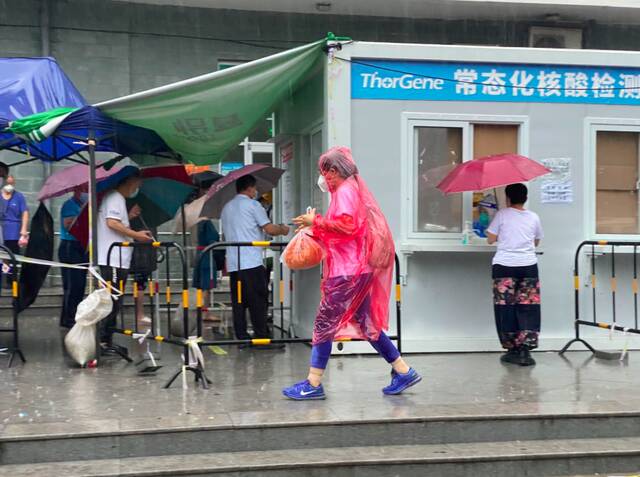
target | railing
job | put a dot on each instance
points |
(281, 287)
(13, 329)
(191, 345)
(189, 364)
(613, 324)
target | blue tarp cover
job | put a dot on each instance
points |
(34, 85)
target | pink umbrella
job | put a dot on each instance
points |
(223, 190)
(66, 180)
(490, 172)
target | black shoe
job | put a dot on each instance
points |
(114, 350)
(525, 358)
(108, 350)
(512, 356)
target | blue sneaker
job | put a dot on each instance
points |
(304, 391)
(400, 382)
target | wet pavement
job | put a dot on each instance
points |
(247, 383)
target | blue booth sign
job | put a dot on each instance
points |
(227, 167)
(496, 82)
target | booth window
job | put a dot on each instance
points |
(489, 139)
(438, 148)
(617, 182)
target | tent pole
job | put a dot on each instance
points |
(45, 43)
(93, 207)
(184, 233)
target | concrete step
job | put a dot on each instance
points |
(495, 459)
(30, 443)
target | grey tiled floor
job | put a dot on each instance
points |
(247, 384)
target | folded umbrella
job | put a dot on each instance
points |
(40, 245)
(490, 172)
(223, 190)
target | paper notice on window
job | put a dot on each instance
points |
(557, 186)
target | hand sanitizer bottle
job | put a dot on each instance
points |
(466, 233)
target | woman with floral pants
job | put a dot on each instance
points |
(516, 284)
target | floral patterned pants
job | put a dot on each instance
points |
(516, 304)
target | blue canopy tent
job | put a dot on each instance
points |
(44, 117)
(33, 85)
(61, 125)
(70, 138)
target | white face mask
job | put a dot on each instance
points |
(134, 193)
(8, 188)
(322, 184)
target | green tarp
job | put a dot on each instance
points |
(41, 125)
(203, 118)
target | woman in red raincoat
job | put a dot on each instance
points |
(357, 274)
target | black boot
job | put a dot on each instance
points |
(524, 357)
(512, 356)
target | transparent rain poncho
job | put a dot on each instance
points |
(359, 261)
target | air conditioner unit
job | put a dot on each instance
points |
(553, 37)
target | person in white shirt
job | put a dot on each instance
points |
(113, 226)
(516, 284)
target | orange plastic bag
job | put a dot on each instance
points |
(303, 252)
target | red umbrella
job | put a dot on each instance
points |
(490, 172)
(174, 173)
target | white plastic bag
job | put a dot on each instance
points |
(81, 339)
(177, 320)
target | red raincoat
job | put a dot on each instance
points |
(358, 268)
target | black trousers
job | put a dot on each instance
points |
(516, 305)
(73, 281)
(12, 245)
(254, 296)
(106, 325)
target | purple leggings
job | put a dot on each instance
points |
(332, 307)
(320, 352)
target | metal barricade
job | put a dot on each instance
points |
(14, 348)
(187, 344)
(281, 287)
(614, 324)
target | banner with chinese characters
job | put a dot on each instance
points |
(443, 81)
(203, 118)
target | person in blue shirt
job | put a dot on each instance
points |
(71, 251)
(4, 173)
(245, 220)
(15, 220)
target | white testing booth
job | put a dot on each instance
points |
(411, 112)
